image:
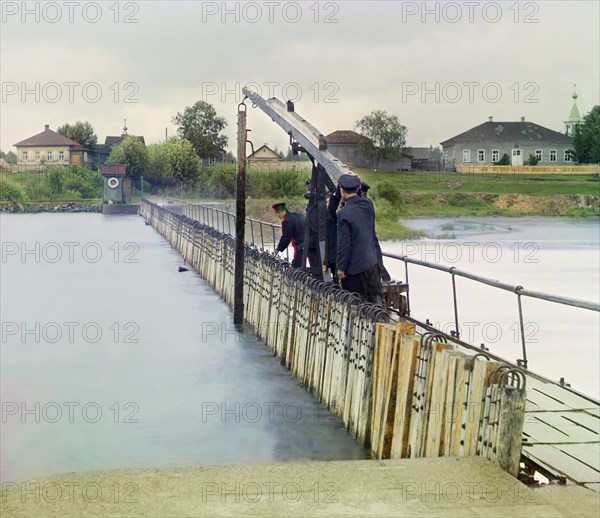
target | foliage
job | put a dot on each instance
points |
(10, 157)
(533, 160)
(184, 165)
(81, 132)
(300, 157)
(388, 190)
(60, 182)
(158, 173)
(505, 160)
(10, 190)
(386, 137)
(201, 125)
(587, 138)
(133, 154)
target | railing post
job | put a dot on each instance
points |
(407, 287)
(457, 331)
(523, 361)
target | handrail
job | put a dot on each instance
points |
(519, 290)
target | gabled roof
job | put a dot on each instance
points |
(345, 137)
(268, 151)
(47, 138)
(514, 132)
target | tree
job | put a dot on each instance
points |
(172, 161)
(158, 172)
(133, 154)
(435, 153)
(184, 164)
(385, 136)
(200, 125)
(81, 132)
(587, 138)
(10, 157)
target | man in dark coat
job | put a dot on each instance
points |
(358, 251)
(292, 231)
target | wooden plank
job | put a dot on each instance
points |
(481, 369)
(407, 360)
(510, 427)
(436, 421)
(464, 365)
(571, 466)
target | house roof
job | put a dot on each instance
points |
(520, 132)
(47, 138)
(112, 141)
(345, 137)
(420, 153)
(269, 151)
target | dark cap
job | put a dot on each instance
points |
(364, 187)
(279, 206)
(349, 182)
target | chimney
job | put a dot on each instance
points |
(491, 119)
(522, 119)
(47, 127)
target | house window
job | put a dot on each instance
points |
(567, 155)
(37, 156)
(553, 155)
(538, 155)
(212, 161)
(495, 155)
(61, 155)
(24, 156)
(466, 155)
(49, 156)
(481, 155)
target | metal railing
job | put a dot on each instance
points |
(261, 234)
(258, 231)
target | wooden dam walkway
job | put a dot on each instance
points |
(400, 389)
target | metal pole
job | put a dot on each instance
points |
(455, 306)
(240, 219)
(523, 362)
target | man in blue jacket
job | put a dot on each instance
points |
(358, 250)
(292, 231)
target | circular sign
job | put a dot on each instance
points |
(113, 183)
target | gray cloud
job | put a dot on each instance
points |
(365, 61)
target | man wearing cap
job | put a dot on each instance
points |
(292, 231)
(358, 251)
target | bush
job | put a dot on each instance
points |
(10, 191)
(505, 160)
(277, 184)
(64, 183)
(532, 160)
(388, 190)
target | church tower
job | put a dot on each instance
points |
(574, 117)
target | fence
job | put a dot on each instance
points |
(529, 170)
(347, 353)
(263, 235)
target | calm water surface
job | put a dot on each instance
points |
(551, 255)
(112, 359)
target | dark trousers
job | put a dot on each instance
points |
(367, 284)
(297, 260)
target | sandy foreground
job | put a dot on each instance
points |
(421, 487)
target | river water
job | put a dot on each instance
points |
(551, 255)
(110, 358)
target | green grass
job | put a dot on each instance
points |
(533, 185)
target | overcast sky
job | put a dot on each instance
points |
(441, 67)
